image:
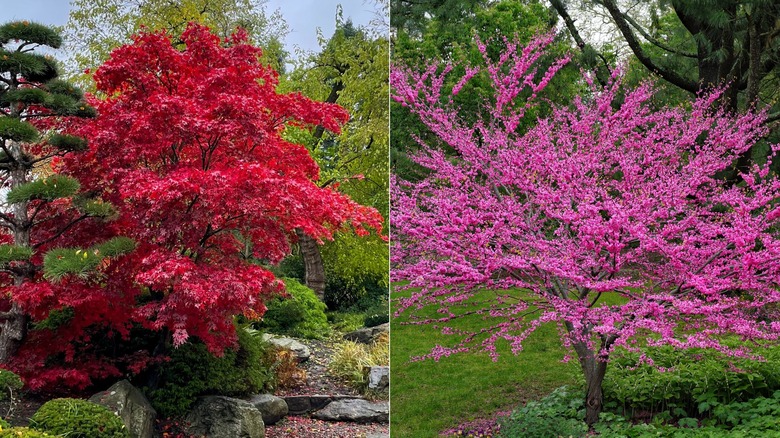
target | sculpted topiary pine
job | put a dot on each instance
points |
(40, 211)
(187, 144)
(606, 197)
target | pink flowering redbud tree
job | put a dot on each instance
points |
(605, 196)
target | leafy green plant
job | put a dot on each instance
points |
(350, 358)
(192, 371)
(687, 383)
(300, 314)
(23, 432)
(377, 314)
(346, 321)
(559, 414)
(9, 383)
(77, 418)
(354, 294)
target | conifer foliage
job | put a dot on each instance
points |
(40, 211)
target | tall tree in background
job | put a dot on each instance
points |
(699, 45)
(39, 212)
(352, 71)
(449, 38)
(94, 29)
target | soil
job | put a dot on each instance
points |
(18, 413)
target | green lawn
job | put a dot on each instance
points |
(428, 397)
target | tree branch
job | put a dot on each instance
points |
(669, 75)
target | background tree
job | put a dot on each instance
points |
(39, 211)
(94, 29)
(697, 45)
(188, 145)
(352, 71)
(606, 197)
(450, 38)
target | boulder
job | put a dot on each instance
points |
(129, 403)
(271, 407)
(378, 377)
(225, 417)
(357, 410)
(301, 351)
(367, 335)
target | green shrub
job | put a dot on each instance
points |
(693, 382)
(559, 414)
(354, 294)
(23, 432)
(301, 314)
(377, 314)
(346, 321)
(192, 371)
(9, 383)
(4, 424)
(77, 418)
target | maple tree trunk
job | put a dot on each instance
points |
(313, 268)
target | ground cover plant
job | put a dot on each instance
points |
(608, 195)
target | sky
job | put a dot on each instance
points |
(303, 17)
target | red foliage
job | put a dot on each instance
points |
(188, 145)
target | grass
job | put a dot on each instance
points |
(428, 397)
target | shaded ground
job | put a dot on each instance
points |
(19, 413)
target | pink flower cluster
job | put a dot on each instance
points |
(606, 196)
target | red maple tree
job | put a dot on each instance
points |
(188, 146)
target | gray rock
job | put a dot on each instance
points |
(225, 417)
(367, 335)
(378, 435)
(273, 408)
(303, 404)
(357, 410)
(301, 351)
(378, 377)
(129, 403)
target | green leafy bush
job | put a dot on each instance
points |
(301, 314)
(377, 314)
(4, 424)
(77, 418)
(559, 414)
(192, 371)
(757, 418)
(692, 383)
(23, 432)
(346, 321)
(354, 294)
(9, 384)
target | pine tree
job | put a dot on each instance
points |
(36, 110)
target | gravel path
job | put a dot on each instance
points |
(301, 427)
(318, 381)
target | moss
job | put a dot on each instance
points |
(77, 418)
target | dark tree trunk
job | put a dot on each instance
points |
(314, 269)
(14, 328)
(594, 377)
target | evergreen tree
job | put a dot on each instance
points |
(36, 110)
